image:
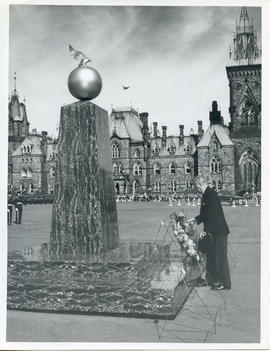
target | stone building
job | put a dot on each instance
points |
(143, 161)
(245, 104)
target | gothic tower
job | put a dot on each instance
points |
(245, 103)
(18, 126)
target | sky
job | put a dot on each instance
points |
(173, 59)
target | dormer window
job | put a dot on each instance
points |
(215, 145)
(187, 149)
(172, 149)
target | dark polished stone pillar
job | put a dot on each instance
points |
(84, 217)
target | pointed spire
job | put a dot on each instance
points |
(245, 48)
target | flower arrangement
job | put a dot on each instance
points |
(183, 231)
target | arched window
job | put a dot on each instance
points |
(219, 185)
(173, 186)
(24, 173)
(117, 188)
(172, 168)
(28, 149)
(115, 151)
(172, 149)
(137, 169)
(52, 172)
(156, 151)
(157, 186)
(214, 185)
(135, 186)
(187, 149)
(31, 188)
(215, 145)
(115, 168)
(21, 188)
(29, 173)
(215, 165)
(156, 169)
(187, 168)
(244, 170)
(137, 153)
(249, 174)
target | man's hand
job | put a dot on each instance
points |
(202, 234)
(192, 220)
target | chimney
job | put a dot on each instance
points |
(155, 129)
(181, 135)
(144, 119)
(200, 128)
(164, 134)
(215, 115)
(44, 135)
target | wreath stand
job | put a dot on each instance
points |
(204, 318)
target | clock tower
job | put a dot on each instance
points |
(245, 103)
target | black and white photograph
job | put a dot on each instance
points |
(133, 189)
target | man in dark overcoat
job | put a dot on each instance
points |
(212, 217)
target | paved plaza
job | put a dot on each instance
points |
(228, 316)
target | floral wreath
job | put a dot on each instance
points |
(183, 231)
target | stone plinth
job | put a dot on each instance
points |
(84, 218)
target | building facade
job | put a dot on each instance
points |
(143, 161)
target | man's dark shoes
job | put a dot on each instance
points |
(219, 286)
(200, 282)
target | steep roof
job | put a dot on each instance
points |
(173, 140)
(32, 140)
(220, 131)
(17, 110)
(125, 123)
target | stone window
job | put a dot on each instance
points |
(219, 185)
(137, 153)
(52, 172)
(137, 169)
(188, 184)
(115, 151)
(135, 186)
(187, 168)
(156, 150)
(215, 165)
(187, 149)
(29, 173)
(157, 186)
(172, 149)
(172, 186)
(31, 188)
(214, 185)
(23, 173)
(117, 168)
(215, 145)
(156, 169)
(172, 168)
(249, 166)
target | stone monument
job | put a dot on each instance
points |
(84, 217)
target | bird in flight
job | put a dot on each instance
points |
(80, 56)
(125, 87)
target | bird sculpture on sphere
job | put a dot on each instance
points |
(80, 56)
(125, 87)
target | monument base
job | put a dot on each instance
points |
(138, 279)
